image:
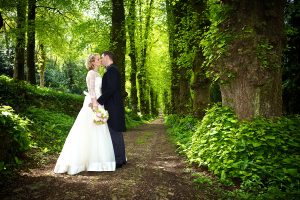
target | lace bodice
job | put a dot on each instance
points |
(94, 81)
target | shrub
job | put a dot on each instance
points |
(133, 120)
(181, 129)
(14, 135)
(20, 95)
(132, 115)
(148, 117)
(49, 129)
(263, 153)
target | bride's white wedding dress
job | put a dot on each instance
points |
(88, 146)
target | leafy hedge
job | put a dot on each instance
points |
(133, 120)
(181, 130)
(14, 135)
(49, 129)
(264, 154)
(20, 95)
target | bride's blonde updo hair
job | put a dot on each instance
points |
(89, 59)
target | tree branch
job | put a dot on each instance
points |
(55, 9)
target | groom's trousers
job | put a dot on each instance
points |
(119, 146)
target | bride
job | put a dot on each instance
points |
(88, 146)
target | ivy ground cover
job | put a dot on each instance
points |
(263, 154)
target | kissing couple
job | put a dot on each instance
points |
(89, 146)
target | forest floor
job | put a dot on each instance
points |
(153, 171)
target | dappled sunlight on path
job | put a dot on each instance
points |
(153, 171)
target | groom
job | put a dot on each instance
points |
(112, 100)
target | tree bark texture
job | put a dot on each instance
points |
(43, 65)
(31, 43)
(1, 21)
(132, 55)
(167, 103)
(142, 77)
(201, 84)
(254, 58)
(175, 89)
(20, 41)
(180, 12)
(153, 97)
(119, 40)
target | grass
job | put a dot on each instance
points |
(140, 141)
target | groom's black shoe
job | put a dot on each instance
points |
(119, 166)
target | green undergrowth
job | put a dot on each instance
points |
(14, 136)
(133, 120)
(181, 130)
(263, 154)
(20, 95)
(39, 119)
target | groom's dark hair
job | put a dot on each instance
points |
(110, 54)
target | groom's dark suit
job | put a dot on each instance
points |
(112, 100)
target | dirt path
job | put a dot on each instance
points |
(153, 171)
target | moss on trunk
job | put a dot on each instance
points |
(250, 73)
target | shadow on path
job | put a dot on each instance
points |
(153, 171)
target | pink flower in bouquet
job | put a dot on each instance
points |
(99, 114)
(104, 69)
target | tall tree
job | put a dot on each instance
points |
(142, 76)
(247, 50)
(132, 54)
(175, 90)
(31, 42)
(42, 59)
(201, 83)
(7, 43)
(182, 49)
(1, 21)
(20, 41)
(153, 97)
(119, 40)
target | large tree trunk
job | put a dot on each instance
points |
(175, 95)
(1, 21)
(180, 12)
(254, 58)
(142, 77)
(166, 103)
(20, 43)
(43, 65)
(201, 84)
(31, 42)
(132, 55)
(143, 91)
(119, 40)
(185, 94)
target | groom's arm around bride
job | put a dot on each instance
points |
(112, 100)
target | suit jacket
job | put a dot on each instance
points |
(112, 100)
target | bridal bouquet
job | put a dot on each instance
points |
(100, 116)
